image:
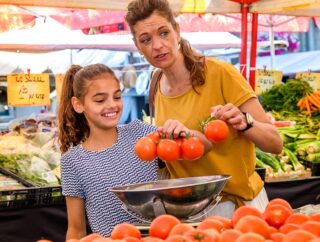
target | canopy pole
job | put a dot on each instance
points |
(253, 51)
(244, 37)
(272, 47)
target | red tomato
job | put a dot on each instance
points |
(192, 148)
(276, 215)
(179, 142)
(168, 150)
(146, 149)
(155, 136)
(161, 226)
(91, 237)
(216, 130)
(123, 230)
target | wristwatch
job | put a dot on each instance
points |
(249, 120)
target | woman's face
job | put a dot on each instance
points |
(102, 104)
(157, 40)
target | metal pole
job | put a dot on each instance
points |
(253, 52)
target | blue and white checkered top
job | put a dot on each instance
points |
(89, 175)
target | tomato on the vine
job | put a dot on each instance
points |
(155, 136)
(216, 130)
(192, 148)
(168, 150)
(146, 149)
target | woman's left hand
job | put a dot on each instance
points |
(230, 114)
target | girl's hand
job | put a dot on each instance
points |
(173, 129)
(230, 114)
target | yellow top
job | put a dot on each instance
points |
(235, 156)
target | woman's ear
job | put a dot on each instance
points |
(77, 105)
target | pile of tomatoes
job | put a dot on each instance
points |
(278, 223)
(151, 146)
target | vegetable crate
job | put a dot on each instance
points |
(29, 195)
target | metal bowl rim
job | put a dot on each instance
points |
(118, 188)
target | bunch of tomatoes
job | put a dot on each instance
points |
(168, 149)
(278, 223)
(187, 148)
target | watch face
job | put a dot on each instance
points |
(249, 119)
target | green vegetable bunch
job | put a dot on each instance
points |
(285, 96)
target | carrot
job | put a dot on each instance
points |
(313, 102)
(308, 107)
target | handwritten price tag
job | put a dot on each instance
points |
(266, 79)
(312, 78)
(28, 90)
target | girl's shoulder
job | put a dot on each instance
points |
(137, 126)
(75, 151)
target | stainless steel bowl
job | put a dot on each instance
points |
(183, 197)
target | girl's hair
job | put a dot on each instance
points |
(141, 9)
(73, 126)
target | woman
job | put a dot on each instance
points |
(192, 87)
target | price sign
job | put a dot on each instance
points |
(266, 79)
(312, 78)
(28, 90)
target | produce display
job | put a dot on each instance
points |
(294, 106)
(30, 150)
(279, 222)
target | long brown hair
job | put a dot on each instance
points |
(73, 126)
(141, 9)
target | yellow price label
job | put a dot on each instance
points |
(312, 78)
(28, 90)
(266, 79)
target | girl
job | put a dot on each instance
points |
(97, 153)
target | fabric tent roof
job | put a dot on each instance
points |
(49, 35)
(292, 7)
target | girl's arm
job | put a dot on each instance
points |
(76, 218)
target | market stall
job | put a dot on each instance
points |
(49, 209)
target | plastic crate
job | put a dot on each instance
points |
(314, 167)
(31, 196)
(21, 198)
(51, 196)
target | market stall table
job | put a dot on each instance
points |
(50, 222)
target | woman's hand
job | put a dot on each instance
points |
(173, 129)
(230, 114)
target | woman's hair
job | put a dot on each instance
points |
(73, 126)
(141, 9)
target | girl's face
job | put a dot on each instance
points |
(102, 104)
(157, 40)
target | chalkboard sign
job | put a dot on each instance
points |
(28, 90)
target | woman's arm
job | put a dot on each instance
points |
(263, 134)
(76, 218)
